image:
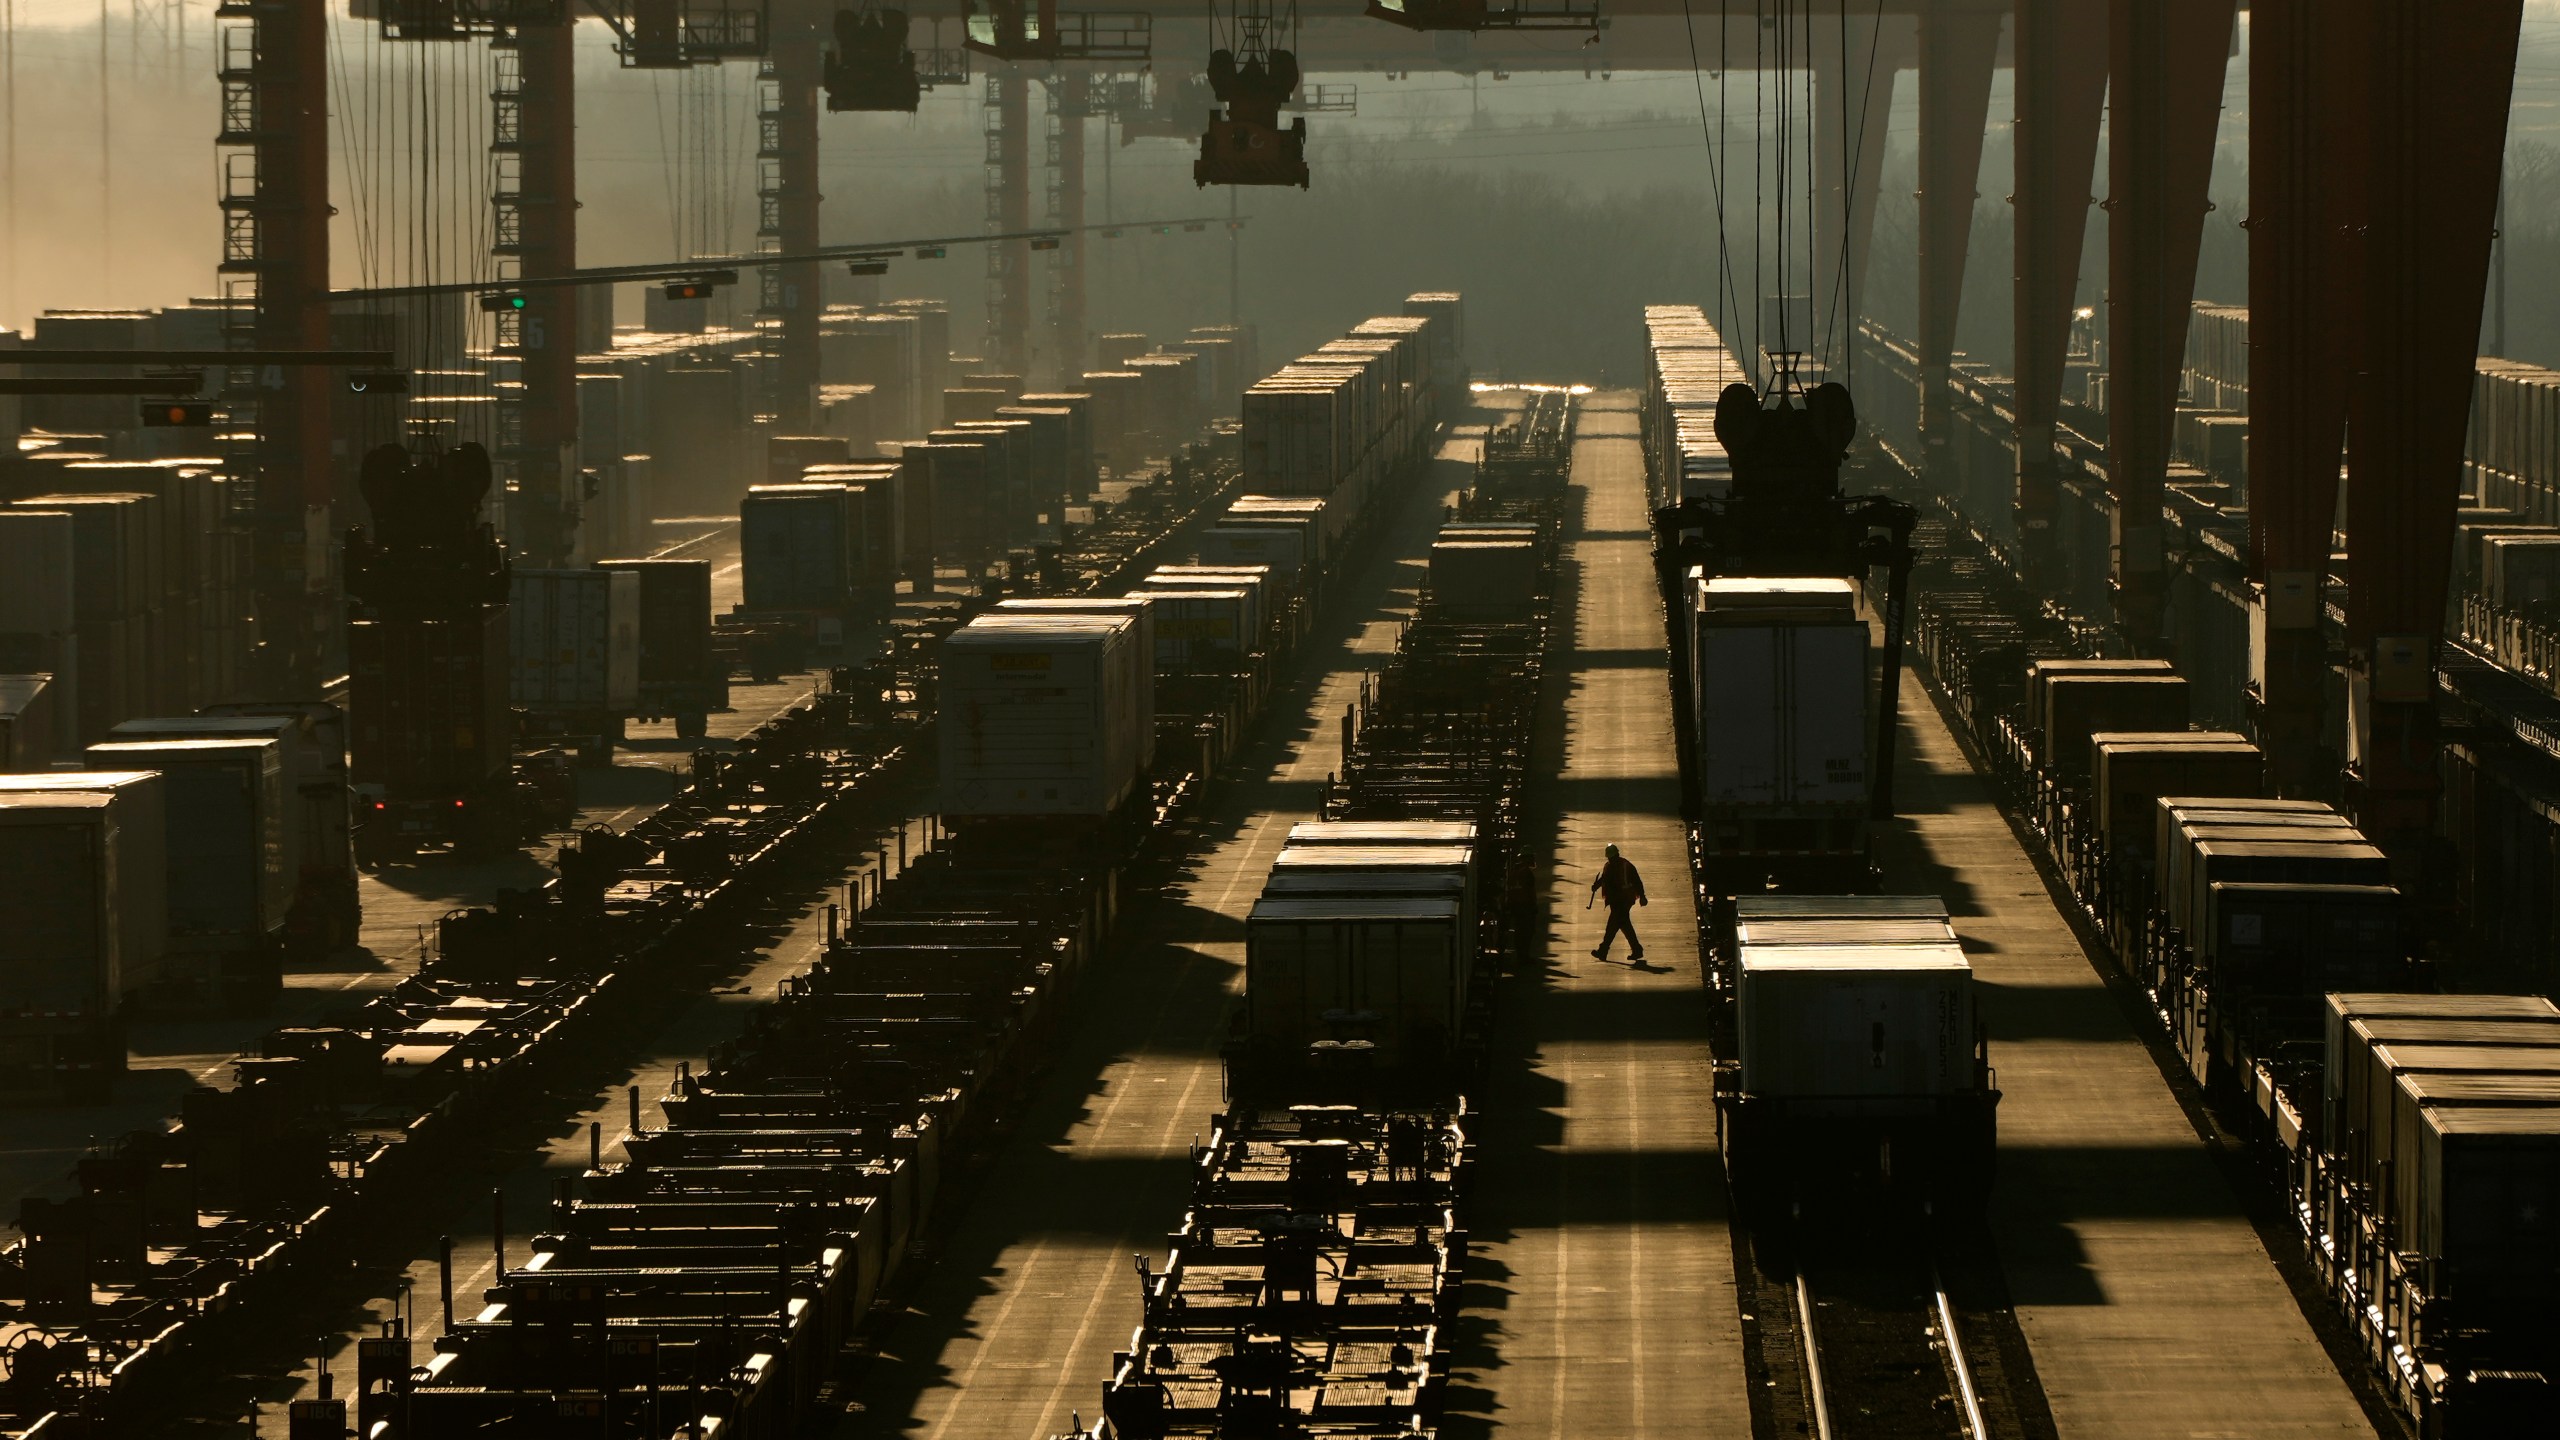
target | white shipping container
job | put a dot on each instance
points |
(312, 741)
(1866, 1023)
(59, 910)
(1781, 683)
(1383, 832)
(1195, 629)
(223, 803)
(1140, 678)
(1254, 580)
(1037, 717)
(574, 641)
(139, 861)
(1390, 859)
(1386, 970)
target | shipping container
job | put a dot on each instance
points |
(2354, 1020)
(1389, 859)
(573, 644)
(2131, 771)
(1037, 718)
(28, 726)
(60, 912)
(2077, 706)
(226, 821)
(2041, 673)
(678, 674)
(1880, 1025)
(1254, 586)
(1383, 832)
(1140, 612)
(1386, 971)
(427, 711)
(1488, 579)
(1782, 677)
(133, 809)
(798, 550)
(1200, 629)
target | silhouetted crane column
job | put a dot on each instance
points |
(1958, 52)
(2165, 62)
(1854, 65)
(543, 514)
(2060, 54)
(2305, 190)
(2441, 83)
(1009, 213)
(287, 85)
(1071, 96)
(800, 296)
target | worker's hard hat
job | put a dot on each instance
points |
(1612, 852)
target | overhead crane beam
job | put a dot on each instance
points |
(1956, 51)
(2165, 62)
(2436, 113)
(2305, 190)
(2061, 56)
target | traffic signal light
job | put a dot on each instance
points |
(177, 414)
(502, 302)
(1044, 242)
(690, 289)
(378, 382)
(930, 252)
(866, 267)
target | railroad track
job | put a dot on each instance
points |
(1854, 1331)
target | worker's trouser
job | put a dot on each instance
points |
(1622, 922)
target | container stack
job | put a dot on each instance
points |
(1780, 672)
(117, 544)
(1365, 933)
(1687, 367)
(38, 622)
(227, 836)
(2433, 1182)
(1858, 1040)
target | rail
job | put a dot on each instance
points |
(1901, 1368)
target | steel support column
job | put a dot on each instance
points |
(2437, 118)
(2305, 92)
(2059, 49)
(543, 518)
(1957, 53)
(1071, 98)
(1009, 212)
(800, 296)
(2165, 62)
(1854, 63)
(289, 78)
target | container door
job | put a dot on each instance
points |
(1828, 749)
(1739, 707)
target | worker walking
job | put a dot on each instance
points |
(1623, 889)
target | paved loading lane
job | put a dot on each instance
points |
(2146, 1298)
(1600, 1299)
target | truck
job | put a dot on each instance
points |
(325, 911)
(224, 814)
(680, 678)
(573, 655)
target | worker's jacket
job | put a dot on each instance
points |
(1619, 884)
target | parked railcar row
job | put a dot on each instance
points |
(2416, 1135)
(666, 1299)
(326, 1127)
(329, 1124)
(1314, 1281)
(1854, 1095)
